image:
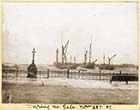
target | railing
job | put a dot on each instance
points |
(100, 75)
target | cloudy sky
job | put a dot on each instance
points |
(112, 27)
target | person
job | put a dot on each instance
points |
(42, 83)
(8, 99)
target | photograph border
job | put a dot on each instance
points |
(27, 106)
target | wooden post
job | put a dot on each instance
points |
(100, 75)
(17, 72)
(120, 72)
(126, 82)
(108, 76)
(6, 74)
(89, 76)
(48, 73)
(68, 73)
(92, 76)
(78, 75)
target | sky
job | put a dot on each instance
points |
(111, 27)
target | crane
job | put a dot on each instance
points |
(64, 51)
(90, 46)
(90, 53)
(104, 59)
(110, 58)
(57, 56)
(74, 60)
(85, 56)
(95, 60)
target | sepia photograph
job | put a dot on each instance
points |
(70, 52)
